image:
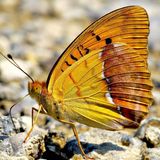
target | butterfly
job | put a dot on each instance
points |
(102, 78)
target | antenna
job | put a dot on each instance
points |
(10, 111)
(11, 60)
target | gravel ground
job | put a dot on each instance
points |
(36, 32)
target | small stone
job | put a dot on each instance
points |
(55, 143)
(126, 140)
(152, 154)
(152, 135)
(77, 157)
(5, 156)
(7, 127)
(37, 7)
(35, 147)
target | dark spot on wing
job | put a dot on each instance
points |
(98, 38)
(87, 50)
(108, 40)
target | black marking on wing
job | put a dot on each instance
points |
(87, 50)
(67, 63)
(98, 38)
(80, 51)
(73, 57)
(108, 40)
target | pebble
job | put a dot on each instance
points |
(36, 7)
(153, 136)
(35, 147)
(153, 154)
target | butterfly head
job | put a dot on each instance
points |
(38, 91)
(35, 89)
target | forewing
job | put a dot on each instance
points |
(127, 25)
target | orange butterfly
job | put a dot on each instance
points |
(102, 78)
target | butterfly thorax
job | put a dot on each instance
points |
(38, 91)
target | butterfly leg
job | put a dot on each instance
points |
(43, 111)
(34, 122)
(76, 135)
(33, 109)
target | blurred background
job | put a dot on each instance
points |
(36, 32)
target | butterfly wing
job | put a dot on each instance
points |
(127, 25)
(108, 88)
(102, 78)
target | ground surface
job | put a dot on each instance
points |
(36, 32)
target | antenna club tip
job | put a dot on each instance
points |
(9, 56)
